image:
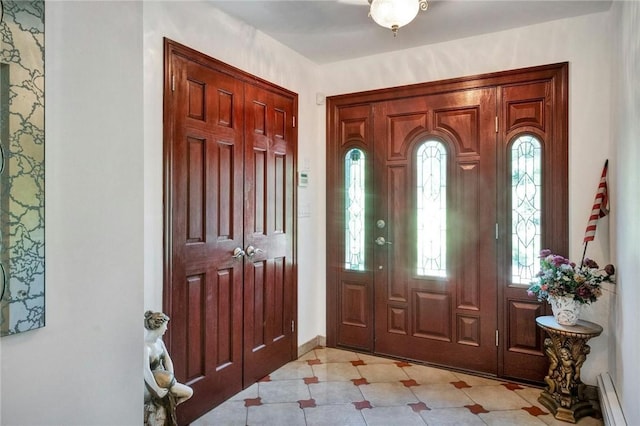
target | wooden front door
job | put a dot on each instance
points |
(229, 227)
(438, 196)
(434, 278)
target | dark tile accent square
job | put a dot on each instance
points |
(252, 402)
(362, 404)
(476, 409)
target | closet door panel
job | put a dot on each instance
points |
(204, 202)
(269, 274)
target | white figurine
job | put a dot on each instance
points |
(161, 387)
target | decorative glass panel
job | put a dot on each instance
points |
(432, 209)
(526, 188)
(22, 167)
(354, 210)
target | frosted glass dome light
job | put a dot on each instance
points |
(394, 14)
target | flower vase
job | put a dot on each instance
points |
(566, 309)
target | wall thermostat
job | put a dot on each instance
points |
(303, 178)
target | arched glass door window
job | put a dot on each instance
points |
(526, 208)
(354, 249)
(431, 209)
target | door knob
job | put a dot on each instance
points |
(238, 253)
(251, 251)
(381, 241)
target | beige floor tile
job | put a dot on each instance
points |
(442, 395)
(289, 414)
(250, 392)
(335, 372)
(332, 415)
(510, 418)
(386, 416)
(335, 355)
(309, 355)
(382, 373)
(451, 416)
(292, 370)
(387, 394)
(425, 375)
(531, 396)
(283, 391)
(472, 380)
(585, 421)
(335, 392)
(496, 397)
(230, 413)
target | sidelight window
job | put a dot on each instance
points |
(431, 209)
(526, 209)
(354, 209)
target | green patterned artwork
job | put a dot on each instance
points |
(22, 166)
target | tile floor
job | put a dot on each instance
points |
(336, 387)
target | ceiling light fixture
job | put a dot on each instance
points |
(394, 14)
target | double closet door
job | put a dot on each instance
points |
(230, 289)
(435, 218)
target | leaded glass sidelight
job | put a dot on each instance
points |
(431, 203)
(354, 203)
(526, 188)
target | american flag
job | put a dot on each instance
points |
(600, 205)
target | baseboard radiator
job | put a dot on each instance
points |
(609, 404)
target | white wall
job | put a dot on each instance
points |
(625, 131)
(585, 42)
(202, 27)
(84, 366)
(104, 183)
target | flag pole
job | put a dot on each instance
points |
(599, 209)
(584, 253)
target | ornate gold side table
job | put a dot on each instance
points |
(567, 350)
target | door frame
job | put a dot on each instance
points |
(554, 237)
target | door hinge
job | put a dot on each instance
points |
(497, 338)
(497, 232)
(294, 121)
(173, 82)
(293, 326)
(496, 124)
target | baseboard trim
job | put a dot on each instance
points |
(612, 414)
(311, 344)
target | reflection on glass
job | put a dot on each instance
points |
(431, 204)
(354, 210)
(526, 185)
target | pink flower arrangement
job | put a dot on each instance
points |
(559, 276)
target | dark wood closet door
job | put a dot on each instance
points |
(230, 283)
(269, 290)
(445, 315)
(206, 178)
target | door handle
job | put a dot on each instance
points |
(251, 251)
(238, 253)
(381, 241)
